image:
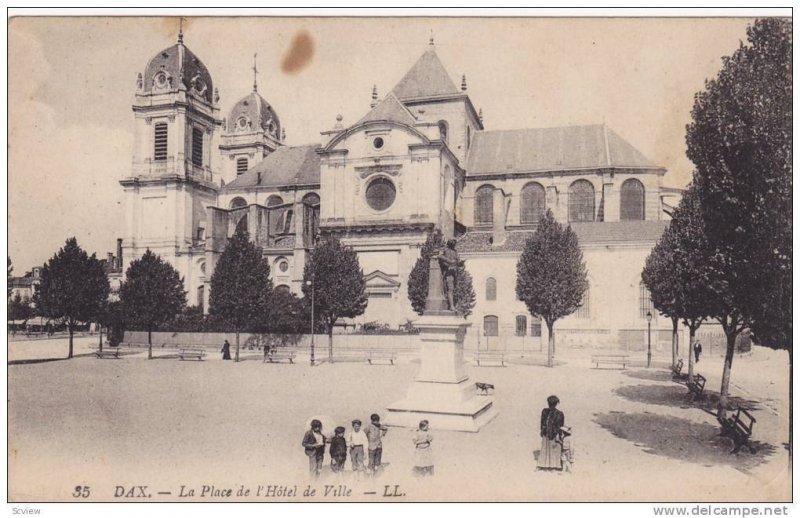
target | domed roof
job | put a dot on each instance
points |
(253, 113)
(163, 72)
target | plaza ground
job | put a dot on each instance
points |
(165, 423)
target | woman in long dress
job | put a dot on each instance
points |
(423, 457)
(551, 422)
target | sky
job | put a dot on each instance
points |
(72, 80)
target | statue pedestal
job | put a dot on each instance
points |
(442, 392)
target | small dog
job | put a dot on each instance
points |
(484, 388)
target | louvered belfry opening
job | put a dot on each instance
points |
(160, 142)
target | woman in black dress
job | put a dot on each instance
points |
(552, 420)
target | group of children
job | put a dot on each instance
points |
(359, 440)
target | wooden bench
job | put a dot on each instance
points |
(381, 355)
(489, 357)
(191, 352)
(676, 369)
(278, 355)
(610, 359)
(484, 388)
(696, 385)
(108, 353)
(739, 427)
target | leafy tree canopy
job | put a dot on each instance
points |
(152, 293)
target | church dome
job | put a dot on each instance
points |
(253, 113)
(164, 71)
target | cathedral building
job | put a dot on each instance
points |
(420, 158)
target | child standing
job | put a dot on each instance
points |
(314, 445)
(567, 453)
(338, 450)
(423, 457)
(375, 432)
(358, 442)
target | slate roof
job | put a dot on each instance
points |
(286, 166)
(389, 109)
(174, 59)
(427, 78)
(551, 149)
(257, 110)
(588, 233)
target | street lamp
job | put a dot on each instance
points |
(311, 283)
(649, 354)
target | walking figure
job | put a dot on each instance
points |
(697, 350)
(226, 351)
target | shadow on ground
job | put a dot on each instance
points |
(677, 395)
(649, 375)
(48, 360)
(682, 439)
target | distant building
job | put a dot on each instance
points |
(420, 158)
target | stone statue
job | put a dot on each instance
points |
(448, 262)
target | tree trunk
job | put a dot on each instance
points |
(100, 327)
(551, 344)
(674, 341)
(692, 331)
(722, 408)
(237, 345)
(69, 327)
(149, 344)
(330, 343)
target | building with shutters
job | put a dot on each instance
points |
(419, 158)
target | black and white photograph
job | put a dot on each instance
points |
(399, 258)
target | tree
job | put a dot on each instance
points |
(740, 141)
(463, 295)
(678, 272)
(73, 287)
(151, 295)
(240, 286)
(551, 275)
(334, 275)
(20, 308)
(9, 272)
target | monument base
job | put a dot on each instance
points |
(442, 392)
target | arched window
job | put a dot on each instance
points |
(645, 302)
(491, 289)
(311, 198)
(274, 200)
(490, 326)
(531, 203)
(238, 202)
(581, 201)
(584, 311)
(631, 200)
(310, 218)
(443, 131)
(484, 205)
(522, 325)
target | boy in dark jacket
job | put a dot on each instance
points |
(314, 445)
(338, 450)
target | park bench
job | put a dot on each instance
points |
(610, 359)
(676, 369)
(107, 353)
(739, 427)
(696, 385)
(378, 355)
(278, 355)
(483, 388)
(192, 352)
(489, 357)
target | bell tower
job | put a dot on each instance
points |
(174, 174)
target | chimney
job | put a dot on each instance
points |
(499, 206)
(119, 253)
(110, 264)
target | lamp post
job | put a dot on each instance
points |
(649, 353)
(311, 283)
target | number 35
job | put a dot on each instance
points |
(81, 492)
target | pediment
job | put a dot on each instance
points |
(379, 279)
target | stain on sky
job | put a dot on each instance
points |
(300, 53)
(172, 25)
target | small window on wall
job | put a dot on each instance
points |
(241, 165)
(197, 147)
(491, 326)
(522, 325)
(491, 289)
(645, 302)
(238, 202)
(536, 327)
(160, 142)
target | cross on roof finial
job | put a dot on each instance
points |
(430, 41)
(180, 29)
(255, 73)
